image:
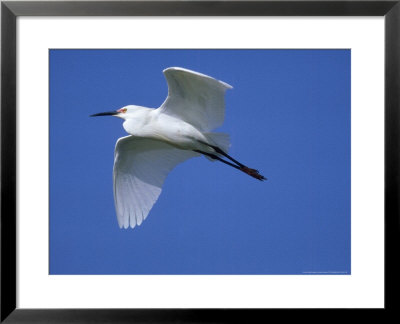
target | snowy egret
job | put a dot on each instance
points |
(162, 138)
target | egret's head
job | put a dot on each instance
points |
(121, 113)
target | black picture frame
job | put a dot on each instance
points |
(10, 10)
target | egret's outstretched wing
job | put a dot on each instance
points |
(195, 98)
(140, 168)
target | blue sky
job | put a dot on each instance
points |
(288, 116)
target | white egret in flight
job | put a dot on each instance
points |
(164, 137)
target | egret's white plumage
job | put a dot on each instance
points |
(162, 138)
(140, 168)
(195, 98)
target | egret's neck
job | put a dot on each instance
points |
(137, 119)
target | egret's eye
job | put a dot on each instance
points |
(122, 110)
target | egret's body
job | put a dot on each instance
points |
(151, 123)
(164, 137)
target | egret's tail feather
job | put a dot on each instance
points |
(221, 140)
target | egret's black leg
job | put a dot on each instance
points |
(215, 157)
(219, 151)
(251, 172)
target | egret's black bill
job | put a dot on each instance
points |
(107, 113)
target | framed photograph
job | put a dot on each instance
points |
(253, 163)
